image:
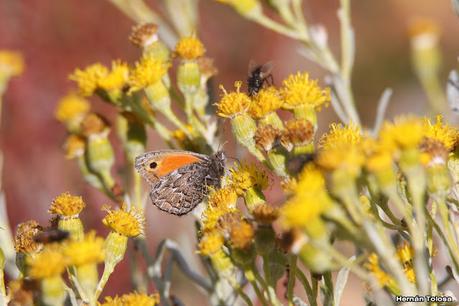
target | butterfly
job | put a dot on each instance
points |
(180, 180)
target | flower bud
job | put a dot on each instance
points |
(244, 128)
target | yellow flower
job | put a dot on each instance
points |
(233, 103)
(70, 107)
(405, 254)
(244, 7)
(117, 78)
(267, 100)
(265, 214)
(443, 133)
(379, 161)
(373, 266)
(210, 243)
(299, 90)
(220, 202)
(405, 133)
(24, 240)
(246, 176)
(88, 78)
(190, 48)
(48, 263)
(86, 251)
(241, 235)
(309, 201)
(125, 222)
(339, 135)
(74, 146)
(146, 72)
(67, 205)
(11, 63)
(132, 299)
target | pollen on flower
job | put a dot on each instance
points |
(233, 103)
(74, 146)
(241, 235)
(190, 48)
(48, 263)
(117, 78)
(88, 78)
(11, 63)
(132, 299)
(267, 100)
(70, 107)
(67, 205)
(144, 35)
(146, 72)
(24, 239)
(86, 251)
(129, 223)
(247, 176)
(299, 90)
(348, 134)
(210, 243)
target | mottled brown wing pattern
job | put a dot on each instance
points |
(182, 190)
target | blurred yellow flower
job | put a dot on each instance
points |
(11, 63)
(117, 78)
(129, 223)
(190, 48)
(48, 263)
(74, 146)
(233, 103)
(67, 205)
(210, 243)
(241, 235)
(299, 90)
(146, 72)
(383, 278)
(86, 251)
(441, 132)
(405, 132)
(267, 100)
(71, 106)
(132, 299)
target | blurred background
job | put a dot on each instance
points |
(56, 36)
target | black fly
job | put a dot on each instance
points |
(259, 75)
(51, 235)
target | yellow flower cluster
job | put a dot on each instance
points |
(11, 64)
(247, 176)
(132, 299)
(190, 48)
(70, 107)
(129, 223)
(233, 103)
(147, 71)
(89, 250)
(48, 263)
(66, 205)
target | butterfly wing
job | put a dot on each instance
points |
(156, 164)
(182, 190)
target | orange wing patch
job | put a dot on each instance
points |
(172, 162)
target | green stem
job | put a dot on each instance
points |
(291, 277)
(312, 298)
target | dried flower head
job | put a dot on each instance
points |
(143, 35)
(241, 235)
(74, 146)
(20, 292)
(233, 103)
(297, 132)
(441, 132)
(24, 240)
(48, 263)
(266, 101)
(71, 106)
(207, 67)
(11, 63)
(189, 48)
(246, 176)
(93, 124)
(146, 72)
(265, 214)
(67, 205)
(299, 90)
(86, 251)
(266, 137)
(132, 299)
(129, 223)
